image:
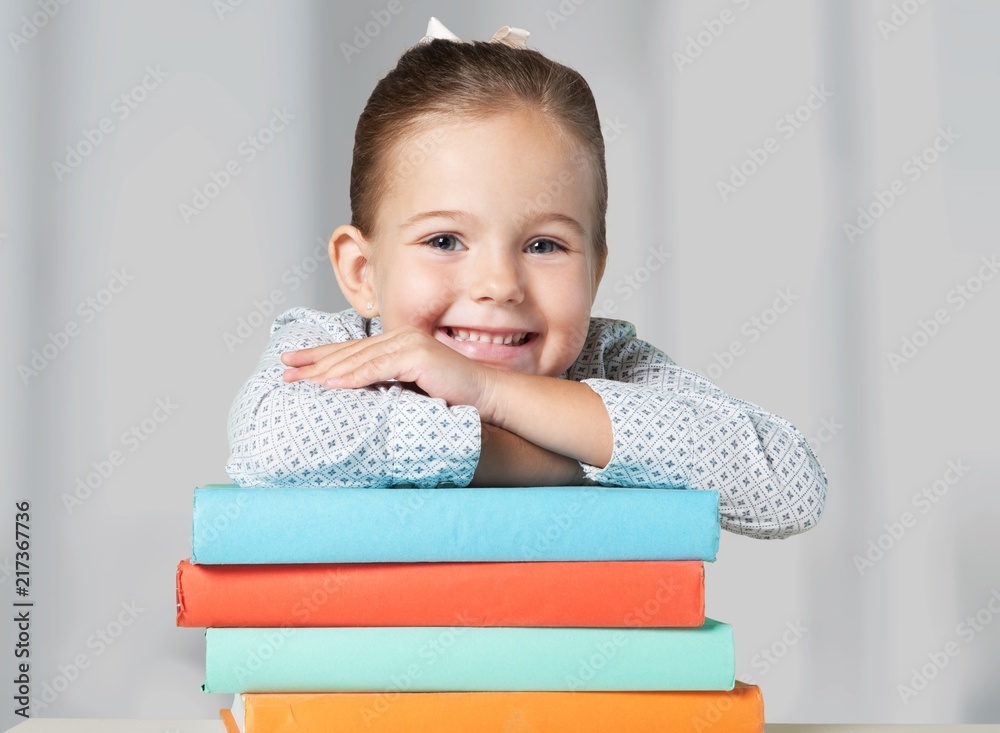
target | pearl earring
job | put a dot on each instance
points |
(369, 305)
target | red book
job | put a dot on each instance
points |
(599, 594)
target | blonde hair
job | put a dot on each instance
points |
(445, 80)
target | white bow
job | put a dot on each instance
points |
(513, 37)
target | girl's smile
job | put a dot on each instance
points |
(501, 348)
(506, 338)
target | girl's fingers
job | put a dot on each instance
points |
(374, 362)
(292, 375)
(357, 362)
(320, 366)
(302, 357)
(314, 356)
(295, 358)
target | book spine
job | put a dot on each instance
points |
(632, 594)
(468, 659)
(294, 525)
(740, 710)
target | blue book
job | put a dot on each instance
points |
(455, 658)
(238, 526)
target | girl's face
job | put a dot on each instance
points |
(485, 241)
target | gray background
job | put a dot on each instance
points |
(676, 132)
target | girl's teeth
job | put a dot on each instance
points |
(460, 334)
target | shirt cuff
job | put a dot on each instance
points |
(630, 410)
(431, 443)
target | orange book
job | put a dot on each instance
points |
(741, 709)
(636, 593)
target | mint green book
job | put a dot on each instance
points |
(468, 658)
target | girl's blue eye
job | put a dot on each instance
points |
(554, 246)
(433, 241)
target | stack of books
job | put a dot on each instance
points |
(455, 609)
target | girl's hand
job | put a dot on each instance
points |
(405, 354)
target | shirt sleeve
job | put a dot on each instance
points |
(673, 428)
(383, 435)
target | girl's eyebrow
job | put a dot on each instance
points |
(546, 216)
(440, 214)
(530, 218)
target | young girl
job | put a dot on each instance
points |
(469, 357)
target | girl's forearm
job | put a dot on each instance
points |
(558, 415)
(507, 459)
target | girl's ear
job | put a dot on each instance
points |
(350, 255)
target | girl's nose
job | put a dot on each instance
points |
(498, 279)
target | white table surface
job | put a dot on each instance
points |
(104, 725)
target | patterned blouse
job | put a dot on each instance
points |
(672, 428)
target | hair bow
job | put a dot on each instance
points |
(513, 37)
